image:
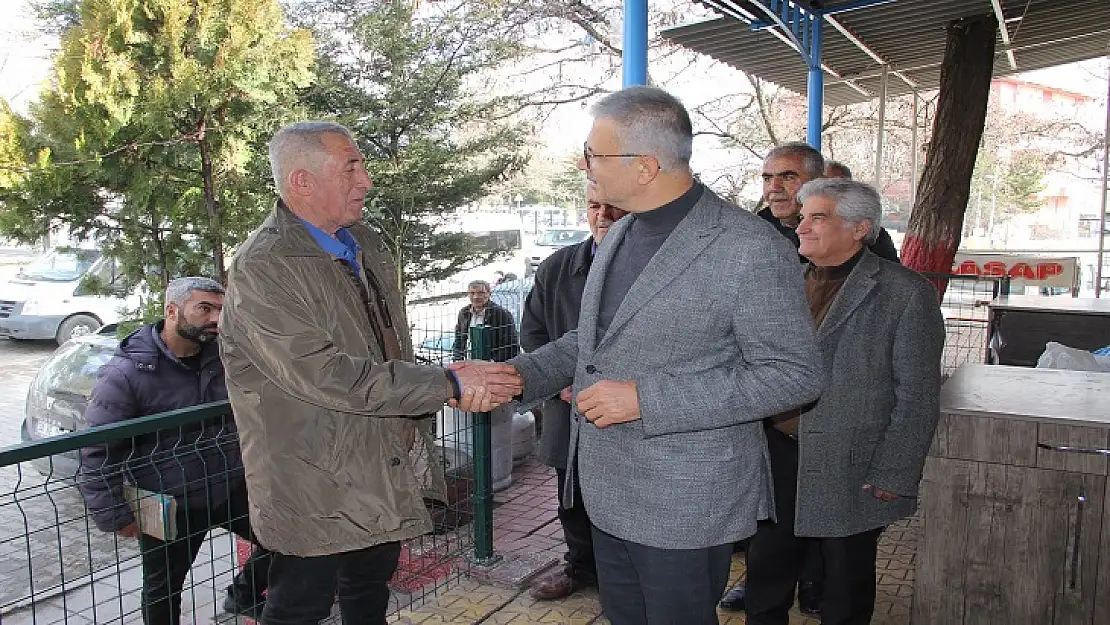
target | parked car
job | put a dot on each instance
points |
(59, 395)
(436, 349)
(550, 240)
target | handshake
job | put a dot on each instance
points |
(484, 386)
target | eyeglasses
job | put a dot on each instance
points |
(587, 156)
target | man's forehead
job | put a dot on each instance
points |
(200, 297)
(782, 164)
(602, 133)
(818, 205)
(342, 147)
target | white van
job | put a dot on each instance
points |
(47, 299)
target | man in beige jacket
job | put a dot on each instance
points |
(326, 398)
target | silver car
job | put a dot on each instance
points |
(59, 394)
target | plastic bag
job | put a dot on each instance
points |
(1057, 356)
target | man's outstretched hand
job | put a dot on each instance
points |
(485, 385)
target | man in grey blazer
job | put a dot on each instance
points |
(850, 465)
(693, 328)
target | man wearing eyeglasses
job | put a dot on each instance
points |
(693, 328)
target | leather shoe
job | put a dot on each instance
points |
(251, 608)
(556, 584)
(733, 601)
(809, 598)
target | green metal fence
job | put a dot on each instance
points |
(56, 566)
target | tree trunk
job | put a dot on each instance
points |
(936, 222)
(211, 204)
(159, 246)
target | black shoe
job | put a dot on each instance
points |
(809, 598)
(244, 607)
(733, 601)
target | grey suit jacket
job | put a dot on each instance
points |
(881, 343)
(716, 334)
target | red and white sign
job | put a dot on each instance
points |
(1022, 270)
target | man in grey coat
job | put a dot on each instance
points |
(551, 311)
(666, 438)
(850, 465)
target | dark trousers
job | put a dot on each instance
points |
(302, 590)
(165, 564)
(643, 585)
(577, 532)
(776, 557)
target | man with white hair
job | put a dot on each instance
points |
(850, 465)
(328, 403)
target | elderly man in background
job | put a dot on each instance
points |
(850, 465)
(551, 311)
(319, 374)
(836, 169)
(481, 311)
(692, 329)
(786, 168)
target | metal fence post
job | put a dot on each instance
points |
(482, 444)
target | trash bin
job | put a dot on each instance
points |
(456, 428)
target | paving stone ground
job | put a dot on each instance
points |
(525, 522)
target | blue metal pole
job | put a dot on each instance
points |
(816, 86)
(634, 55)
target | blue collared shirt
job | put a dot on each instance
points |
(342, 246)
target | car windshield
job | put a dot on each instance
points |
(562, 238)
(442, 343)
(61, 265)
(73, 368)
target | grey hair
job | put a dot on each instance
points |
(651, 122)
(812, 160)
(300, 145)
(855, 201)
(475, 283)
(180, 289)
(845, 171)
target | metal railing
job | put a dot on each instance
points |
(57, 566)
(966, 310)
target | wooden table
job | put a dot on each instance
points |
(1014, 499)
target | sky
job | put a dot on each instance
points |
(24, 57)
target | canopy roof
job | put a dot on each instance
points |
(907, 35)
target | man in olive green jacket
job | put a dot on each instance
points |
(325, 397)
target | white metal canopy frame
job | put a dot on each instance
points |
(849, 51)
(905, 36)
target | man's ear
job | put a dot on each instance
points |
(860, 230)
(171, 311)
(647, 169)
(300, 182)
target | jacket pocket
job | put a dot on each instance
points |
(863, 451)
